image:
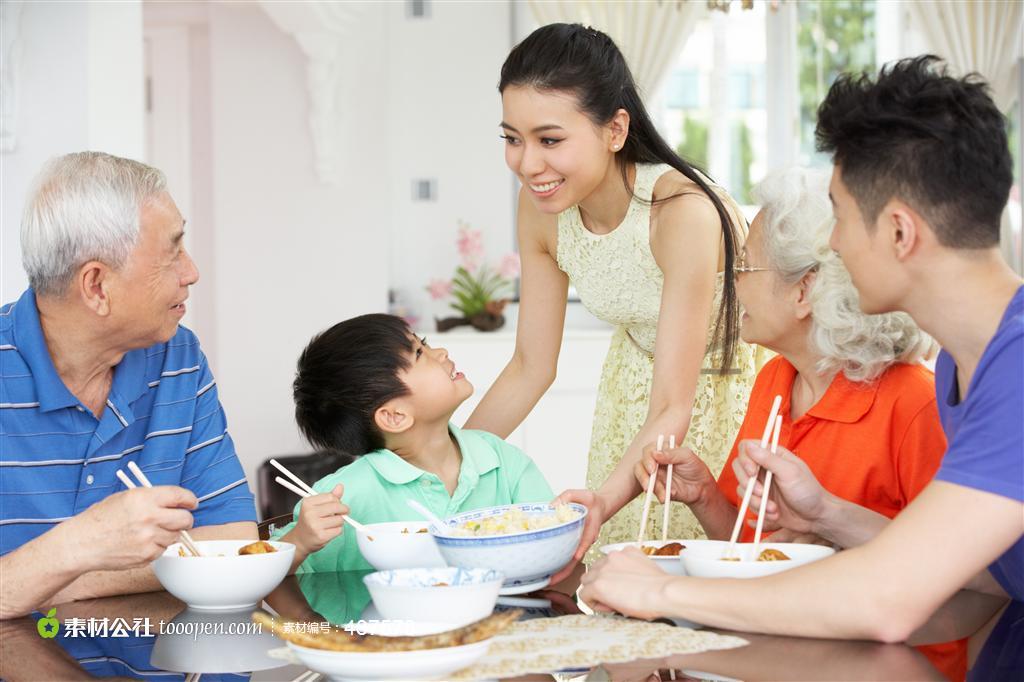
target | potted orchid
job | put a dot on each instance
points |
(479, 291)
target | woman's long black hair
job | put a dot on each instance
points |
(586, 62)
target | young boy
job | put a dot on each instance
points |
(367, 386)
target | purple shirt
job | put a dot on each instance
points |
(986, 431)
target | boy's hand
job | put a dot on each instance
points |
(320, 521)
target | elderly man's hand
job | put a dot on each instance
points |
(627, 582)
(130, 528)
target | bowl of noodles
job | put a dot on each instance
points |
(713, 561)
(528, 543)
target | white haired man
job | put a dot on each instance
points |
(97, 373)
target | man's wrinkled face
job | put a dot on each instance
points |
(151, 289)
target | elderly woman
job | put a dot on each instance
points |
(855, 397)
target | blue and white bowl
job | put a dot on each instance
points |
(528, 558)
(455, 596)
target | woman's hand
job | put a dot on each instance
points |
(626, 582)
(691, 478)
(597, 514)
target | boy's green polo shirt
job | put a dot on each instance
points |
(378, 484)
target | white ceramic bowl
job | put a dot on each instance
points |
(214, 642)
(457, 596)
(392, 548)
(670, 564)
(527, 559)
(221, 580)
(706, 561)
(428, 664)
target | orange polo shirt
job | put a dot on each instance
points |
(876, 444)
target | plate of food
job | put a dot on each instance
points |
(665, 553)
(343, 655)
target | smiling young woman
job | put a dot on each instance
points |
(645, 238)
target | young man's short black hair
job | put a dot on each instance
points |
(935, 141)
(344, 375)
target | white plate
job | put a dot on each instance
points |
(390, 665)
(523, 588)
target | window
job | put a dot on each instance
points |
(714, 106)
(833, 36)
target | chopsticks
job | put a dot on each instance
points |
(767, 487)
(647, 498)
(731, 549)
(668, 489)
(304, 491)
(186, 539)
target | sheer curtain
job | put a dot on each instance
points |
(650, 33)
(985, 37)
(974, 36)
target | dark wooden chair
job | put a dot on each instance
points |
(274, 500)
(265, 528)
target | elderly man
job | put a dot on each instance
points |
(97, 373)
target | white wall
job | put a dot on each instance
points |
(78, 86)
(443, 113)
(290, 255)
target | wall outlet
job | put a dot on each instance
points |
(417, 9)
(424, 189)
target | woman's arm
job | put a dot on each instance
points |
(544, 290)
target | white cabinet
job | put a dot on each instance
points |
(556, 434)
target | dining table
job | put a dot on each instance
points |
(155, 636)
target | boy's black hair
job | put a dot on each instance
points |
(935, 141)
(344, 375)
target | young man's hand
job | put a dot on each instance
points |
(320, 521)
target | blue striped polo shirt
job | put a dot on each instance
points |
(57, 458)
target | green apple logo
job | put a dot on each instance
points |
(48, 626)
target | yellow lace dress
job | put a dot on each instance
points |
(618, 280)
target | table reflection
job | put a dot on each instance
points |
(226, 646)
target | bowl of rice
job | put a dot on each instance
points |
(528, 543)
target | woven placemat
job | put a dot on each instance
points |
(544, 645)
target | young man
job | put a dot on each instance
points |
(922, 174)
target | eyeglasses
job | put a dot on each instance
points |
(741, 266)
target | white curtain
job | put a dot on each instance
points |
(975, 35)
(983, 36)
(650, 33)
